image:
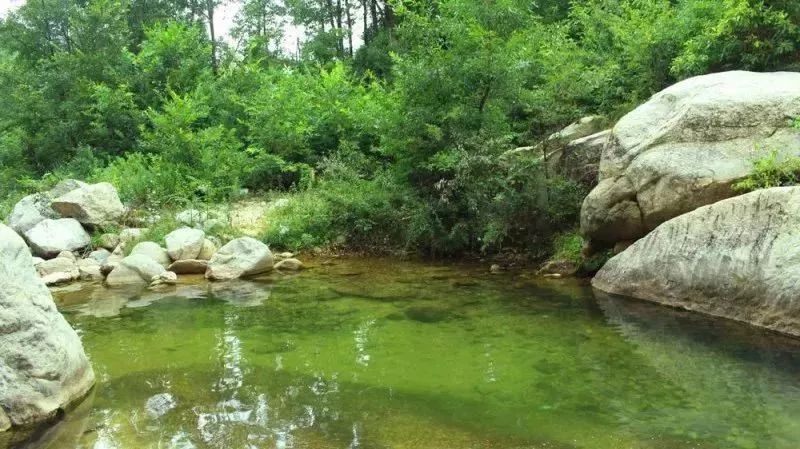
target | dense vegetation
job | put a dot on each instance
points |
(393, 144)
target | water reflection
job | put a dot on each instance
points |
(748, 372)
(406, 357)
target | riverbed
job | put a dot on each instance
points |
(378, 354)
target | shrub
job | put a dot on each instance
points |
(771, 171)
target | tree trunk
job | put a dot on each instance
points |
(210, 14)
(349, 25)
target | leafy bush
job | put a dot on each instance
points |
(771, 171)
(568, 246)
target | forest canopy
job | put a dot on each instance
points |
(389, 138)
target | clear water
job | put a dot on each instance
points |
(383, 354)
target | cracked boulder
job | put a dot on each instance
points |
(686, 147)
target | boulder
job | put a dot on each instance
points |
(93, 205)
(43, 368)
(208, 250)
(185, 243)
(189, 266)
(60, 270)
(64, 187)
(29, 212)
(240, 257)
(50, 237)
(152, 250)
(289, 265)
(134, 269)
(686, 147)
(735, 259)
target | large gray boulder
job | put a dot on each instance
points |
(51, 237)
(134, 269)
(686, 147)
(93, 204)
(185, 243)
(737, 259)
(43, 368)
(240, 257)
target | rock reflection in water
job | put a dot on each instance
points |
(752, 367)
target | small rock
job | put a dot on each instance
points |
(100, 255)
(167, 277)
(67, 255)
(289, 265)
(58, 271)
(89, 269)
(286, 255)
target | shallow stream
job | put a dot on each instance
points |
(380, 354)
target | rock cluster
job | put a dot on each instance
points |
(56, 226)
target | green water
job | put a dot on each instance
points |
(385, 354)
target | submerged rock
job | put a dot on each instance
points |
(93, 205)
(289, 265)
(43, 367)
(50, 237)
(685, 147)
(241, 257)
(736, 259)
(159, 405)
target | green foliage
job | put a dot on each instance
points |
(398, 144)
(568, 246)
(771, 171)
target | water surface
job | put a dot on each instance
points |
(379, 354)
